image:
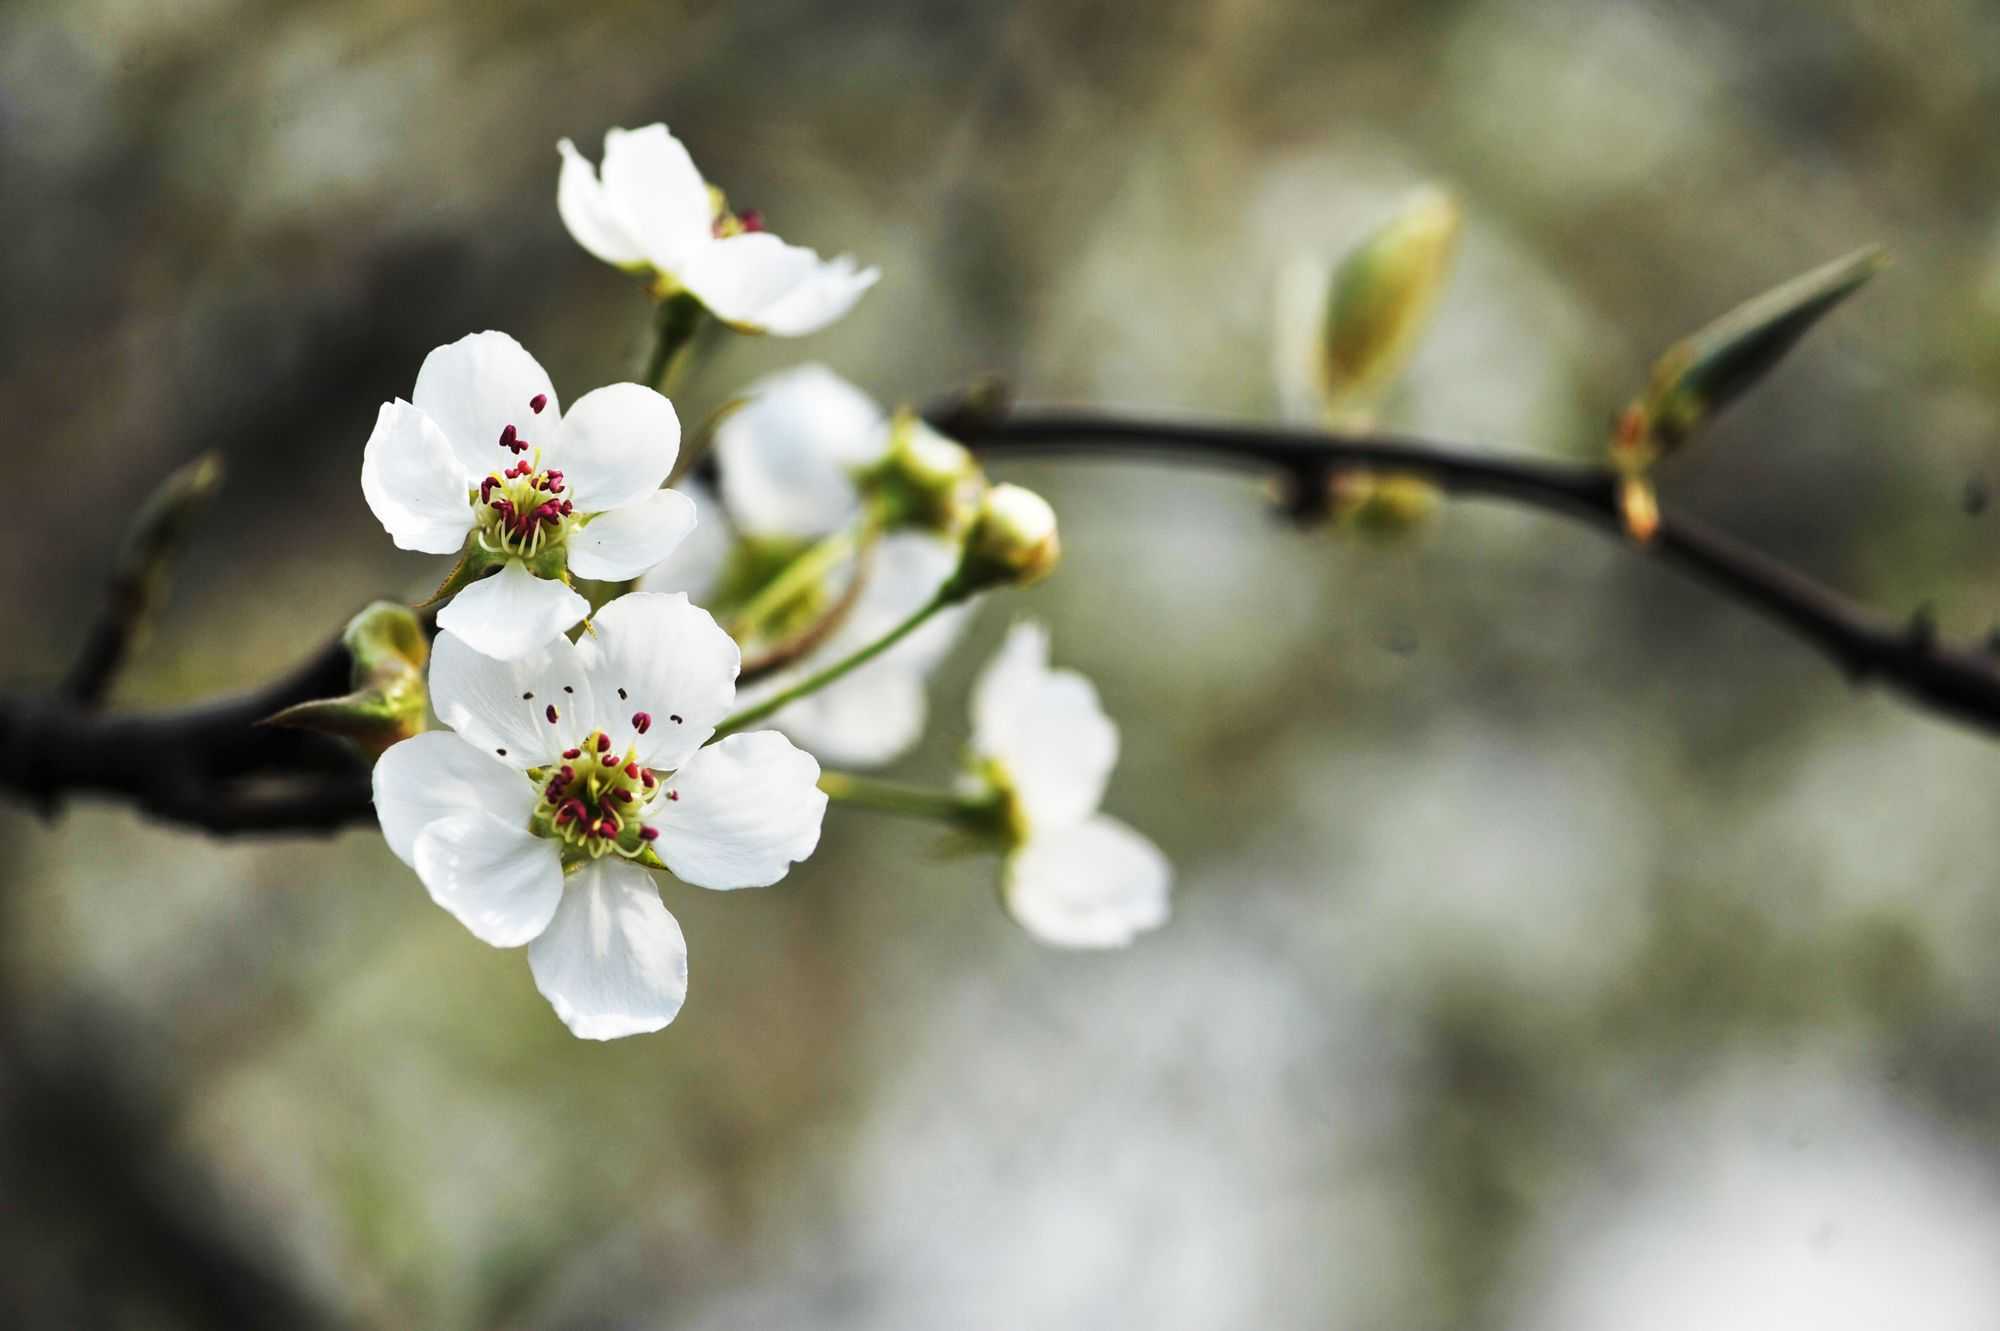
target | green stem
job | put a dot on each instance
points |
(811, 564)
(813, 683)
(676, 324)
(866, 792)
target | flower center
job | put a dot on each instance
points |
(593, 799)
(522, 509)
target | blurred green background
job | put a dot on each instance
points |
(1555, 946)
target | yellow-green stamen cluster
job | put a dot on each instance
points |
(593, 799)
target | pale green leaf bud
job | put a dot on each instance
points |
(1704, 372)
(1380, 301)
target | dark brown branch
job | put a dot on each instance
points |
(1903, 655)
(214, 767)
(138, 583)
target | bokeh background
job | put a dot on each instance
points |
(1556, 945)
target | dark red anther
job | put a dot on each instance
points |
(568, 773)
(537, 402)
(642, 722)
(572, 753)
(649, 834)
(607, 826)
(551, 713)
(673, 794)
(603, 741)
(563, 815)
(646, 778)
(624, 796)
(576, 810)
(632, 770)
(566, 508)
(751, 219)
(507, 437)
(486, 489)
(608, 759)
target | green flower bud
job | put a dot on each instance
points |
(1382, 504)
(1013, 541)
(389, 650)
(1380, 301)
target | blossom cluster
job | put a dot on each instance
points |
(613, 628)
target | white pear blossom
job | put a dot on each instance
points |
(795, 464)
(648, 208)
(568, 772)
(1074, 876)
(483, 451)
(877, 712)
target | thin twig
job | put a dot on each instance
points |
(1962, 683)
(212, 767)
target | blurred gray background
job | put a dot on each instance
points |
(1556, 946)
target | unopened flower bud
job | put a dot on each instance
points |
(388, 651)
(1383, 504)
(1013, 541)
(1380, 301)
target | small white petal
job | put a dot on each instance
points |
(1046, 728)
(904, 572)
(747, 807)
(437, 774)
(594, 222)
(503, 705)
(617, 444)
(876, 713)
(758, 282)
(499, 879)
(627, 541)
(512, 613)
(1095, 884)
(479, 385)
(655, 653)
(613, 962)
(696, 565)
(413, 481)
(651, 180)
(787, 456)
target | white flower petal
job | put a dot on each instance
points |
(903, 573)
(629, 540)
(594, 222)
(1046, 728)
(617, 444)
(740, 812)
(413, 482)
(501, 707)
(758, 282)
(652, 181)
(696, 565)
(479, 385)
(499, 879)
(613, 962)
(870, 718)
(657, 654)
(437, 774)
(511, 613)
(1095, 884)
(788, 454)
(876, 713)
